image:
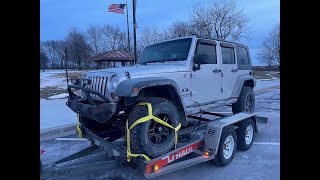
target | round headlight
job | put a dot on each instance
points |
(113, 82)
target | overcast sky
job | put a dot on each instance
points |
(57, 16)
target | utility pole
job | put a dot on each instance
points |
(128, 27)
(66, 64)
(134, 29)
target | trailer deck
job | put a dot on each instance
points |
(197, 143)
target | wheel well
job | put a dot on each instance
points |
(167, 92)
(249, 83)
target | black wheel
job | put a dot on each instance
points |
(227, 147)
(246, 101)
(150, 137)
(245, 134)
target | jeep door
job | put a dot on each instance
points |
(229, 71)
(206, 81)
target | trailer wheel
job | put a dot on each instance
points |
(227, 147)
(245, 134)
(246, 101)
(150, 137)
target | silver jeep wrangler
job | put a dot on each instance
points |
(179, 77)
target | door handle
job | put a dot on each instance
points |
(216, 70)
(234, 70)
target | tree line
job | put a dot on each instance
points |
(220, 19)
(78, 46)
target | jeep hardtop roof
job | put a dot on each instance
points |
(206, 38)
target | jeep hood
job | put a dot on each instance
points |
(141, 69)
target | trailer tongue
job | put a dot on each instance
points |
(209, 140)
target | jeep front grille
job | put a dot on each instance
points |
(99, 84)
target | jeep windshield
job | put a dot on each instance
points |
(175, 50)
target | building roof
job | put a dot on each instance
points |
(115, 55)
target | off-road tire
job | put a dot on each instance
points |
(246, 95)
(139, 135)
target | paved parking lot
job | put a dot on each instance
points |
(262, 161)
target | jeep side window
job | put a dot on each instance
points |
(210, 51)
(228, 55)
(242, 56)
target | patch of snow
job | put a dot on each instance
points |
(271, 75)
(266, 79)
(50, 78)
(54, 113)
(59, 96)
(262, 84)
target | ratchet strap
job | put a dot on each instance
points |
(144, 119)
(78, 126)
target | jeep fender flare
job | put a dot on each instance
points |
(240, 82)
(132, 87)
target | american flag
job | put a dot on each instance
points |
(117, 8)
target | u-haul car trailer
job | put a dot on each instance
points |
(215, 138)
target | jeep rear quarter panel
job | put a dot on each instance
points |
(245, 75)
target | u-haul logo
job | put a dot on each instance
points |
(179, 154)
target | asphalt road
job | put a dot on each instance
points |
(262, 161)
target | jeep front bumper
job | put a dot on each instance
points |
(99, 110)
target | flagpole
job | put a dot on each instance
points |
(128, 27)
(134, 29)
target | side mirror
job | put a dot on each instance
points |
(199, 59)
(196, 67)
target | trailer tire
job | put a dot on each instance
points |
(144, 137)
(228, 140)
(245, 134)
(245, 102)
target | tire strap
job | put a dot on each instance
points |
(78, 126)
(144, 119)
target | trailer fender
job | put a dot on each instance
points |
(215, 129)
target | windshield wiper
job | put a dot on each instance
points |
(145, 63)
(174, 59)
(161, 60)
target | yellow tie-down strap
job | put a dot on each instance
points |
(78, 126)
(144, 119)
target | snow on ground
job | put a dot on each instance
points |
(55, 113)
(49, 79)
(55, 78)
(262, 84)
(59, 96)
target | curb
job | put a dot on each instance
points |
(60, 131)
(67, 130)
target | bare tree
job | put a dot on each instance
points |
(179, 29)
(61, 44)
(270, 51)
(78, 49)
(150, 36)
(220, 19)
(113, 38)
(94, 38)
(50, 49)
(43, 58)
